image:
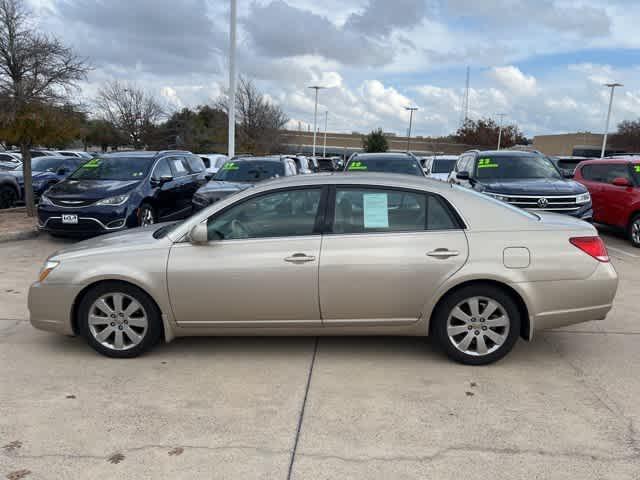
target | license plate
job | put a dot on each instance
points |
(73, 219)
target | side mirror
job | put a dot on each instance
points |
(621, 182)
(567, 174)
(199, 235)
(208, 176)
(464, 175)
(162, 180)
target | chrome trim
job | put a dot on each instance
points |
(104, 227)
(71, 206)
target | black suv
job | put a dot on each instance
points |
(524, 179)
(122, 190)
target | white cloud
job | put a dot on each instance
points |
(514, 80)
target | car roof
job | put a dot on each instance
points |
(507, 153)
(59, 157)
(596, 161)
(260, 159)
(383, 155)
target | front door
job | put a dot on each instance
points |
(260, 267)
(388, 252)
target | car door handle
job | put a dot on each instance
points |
(443, 253)
(299, 258)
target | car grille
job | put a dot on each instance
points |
(563, 204)
(71, 203)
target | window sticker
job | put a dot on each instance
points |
(179, 166)
(230, 166)
(487, 163)
(95, 163)
(357, 166)
(637, 168)
(376, 210)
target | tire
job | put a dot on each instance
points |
(146, 215)
(473, 339)
(633, 231)
(102, 325)
(8, 196)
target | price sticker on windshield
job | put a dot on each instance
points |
(487, 163)
(637, 168)
(230, 166)
(95, 163)
(357, 166)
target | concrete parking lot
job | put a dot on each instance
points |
(563, 407)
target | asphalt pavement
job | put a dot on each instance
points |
(564, 406)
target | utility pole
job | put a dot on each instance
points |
(324, 146)
(501, 116)
(411, 110)
(315, 117)
(232, 82)
(612, 86)
(465, 101)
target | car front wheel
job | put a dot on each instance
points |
(146, 215)
(8, 196)
(634, 231)
(477, 325)
(119, 320)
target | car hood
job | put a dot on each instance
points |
(216, 186)
(90, 189)
(534, 186)
(136, 238)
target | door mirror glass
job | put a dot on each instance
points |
(163, 179)
(198, 234)
(621, 182)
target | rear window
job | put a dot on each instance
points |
(443, 165)
(404, 165)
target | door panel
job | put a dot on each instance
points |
(384, 276)
(246, 282)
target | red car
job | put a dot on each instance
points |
(614, 185)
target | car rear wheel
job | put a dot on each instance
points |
(8, 196)
(119, 320)
(477, 325)
(634, 231)
(146, 215)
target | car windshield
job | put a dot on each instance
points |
(47, 164)
(114, 168)
(404, 165)
(503, 167)
(443, 165)
(249, 171)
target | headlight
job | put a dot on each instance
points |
(47, 268)
(44, 200)
(118, 200)
(502, 198)
(584, 198)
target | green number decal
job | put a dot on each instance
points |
(637, 168)
(95, 163)
(487, 163)
(357, 166)
(230, 166)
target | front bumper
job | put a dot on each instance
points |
(93, 220)
(50, 306)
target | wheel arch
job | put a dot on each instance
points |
(78, 299)
(526, 325)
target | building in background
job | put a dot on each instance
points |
(581, 144)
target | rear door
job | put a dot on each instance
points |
(387, 252)
(594, 177)
(616, 199)
(165, 196)
(182, 186)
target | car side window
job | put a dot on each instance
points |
(283, 213)
(206, 161)
(196, 165)
(289, 168)
(178, 167)
(595, 173)
(618, 170)
(162, 170)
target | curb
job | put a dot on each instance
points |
(19, 235)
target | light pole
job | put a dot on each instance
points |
(501, 115)
(411, 110)
(612, 86)
(232, 82)
(315, 117)
(324, 146)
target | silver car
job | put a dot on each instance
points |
(333, 254)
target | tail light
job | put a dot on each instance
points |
(592, 246)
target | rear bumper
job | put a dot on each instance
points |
(561, 303)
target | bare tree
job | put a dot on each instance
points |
(130, 109)
(260, 120)
(36, 72)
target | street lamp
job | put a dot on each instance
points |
(324, 146)
(315, 117)
(232, 82)
(612, 86)
(411, 110)
(501, 115)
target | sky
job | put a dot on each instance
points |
(542, 63)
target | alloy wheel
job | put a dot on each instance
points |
(478, 326)
(635, 231)
(118, 321)
(146, 217)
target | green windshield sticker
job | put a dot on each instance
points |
(95, 163)
(637, 168)
(487, 163)
(357, 166)
(230, 166)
